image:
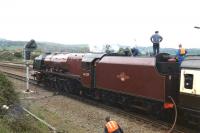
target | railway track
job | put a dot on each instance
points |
(15, 66)
(132, 115)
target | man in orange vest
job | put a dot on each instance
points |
(112, 126)
(181, 54)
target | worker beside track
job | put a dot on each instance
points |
(112, 126)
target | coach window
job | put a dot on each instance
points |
(188, 83)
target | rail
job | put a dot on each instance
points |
(39, 119)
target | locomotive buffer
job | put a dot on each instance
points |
(28, 48)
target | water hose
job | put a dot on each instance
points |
(175, 119)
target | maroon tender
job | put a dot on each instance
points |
(136, 76)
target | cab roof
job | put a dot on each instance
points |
(90, 57)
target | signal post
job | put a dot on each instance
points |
(28, 48)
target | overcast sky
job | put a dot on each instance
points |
(99, 22)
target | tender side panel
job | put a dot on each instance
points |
(137, 77)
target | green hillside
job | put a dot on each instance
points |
(44, 46)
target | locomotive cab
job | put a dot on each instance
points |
(89, 69)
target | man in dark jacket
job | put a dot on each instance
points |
(112, 126)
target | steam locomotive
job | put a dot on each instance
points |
(152, 84)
